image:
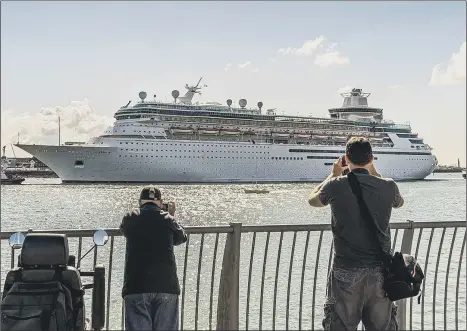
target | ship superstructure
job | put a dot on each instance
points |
(186, 142)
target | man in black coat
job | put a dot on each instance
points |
(151, 288)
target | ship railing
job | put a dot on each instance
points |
(274, 276)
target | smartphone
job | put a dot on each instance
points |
(344, 164)
(165, 206)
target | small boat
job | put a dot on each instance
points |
(257, 191)
(463, 174)
(10, 180)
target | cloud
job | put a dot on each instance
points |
(331, 58)
(78, 123)
(255, 70)
(345, 89)
(394, 86)
(227, 67)
(325, 52)
(244, 65)
(451, 74)
(332, 47)
(308, 48)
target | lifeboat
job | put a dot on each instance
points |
(302, 135)
(376, 140)
(181, 130)
(229, 132)
(280, 134)
(342, 138)
(208, 131)
(320, 137)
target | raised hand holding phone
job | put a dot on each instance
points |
(338, 167)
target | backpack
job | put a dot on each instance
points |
(39, 305)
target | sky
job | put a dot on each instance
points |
(83, 60)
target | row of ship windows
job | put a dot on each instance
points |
(219, 157)
(299, 150)
(197, 145)
(245, 157)
(312, 157)
(212, 151)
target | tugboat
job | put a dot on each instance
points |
(9, 179)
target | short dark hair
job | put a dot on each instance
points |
(359, 151)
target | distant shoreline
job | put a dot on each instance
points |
(448, 169)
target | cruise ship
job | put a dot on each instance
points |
(187, 142)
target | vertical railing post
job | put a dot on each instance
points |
(228, 299)
(406, 248)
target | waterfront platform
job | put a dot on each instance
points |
(273, 276)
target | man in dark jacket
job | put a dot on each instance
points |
(355, 284)
(151, 288)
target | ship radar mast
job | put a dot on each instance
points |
(355, 92)
(191, 91)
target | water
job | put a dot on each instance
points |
(42, 204)
(440, 198)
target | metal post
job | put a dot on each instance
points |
(228, 299)
(406, 248)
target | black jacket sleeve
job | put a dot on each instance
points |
(128, 223)
(179, 233)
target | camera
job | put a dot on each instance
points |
(165, 207)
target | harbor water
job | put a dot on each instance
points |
(46, 204)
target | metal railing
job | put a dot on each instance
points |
(274, 276)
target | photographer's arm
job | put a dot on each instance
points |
(372, 170)
(398, 199)
(319, 197)
(180, 236)
(314, 200)
(127, 224)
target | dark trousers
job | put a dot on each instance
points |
(355, 295)
(151, 311)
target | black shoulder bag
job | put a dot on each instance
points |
(403, 276)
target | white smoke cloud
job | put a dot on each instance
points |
(78, 122)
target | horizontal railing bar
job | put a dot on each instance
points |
(433, 225)
(252, 228)
(285, 228)
(116, 232)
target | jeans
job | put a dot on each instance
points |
(151, 311)
(355, 295)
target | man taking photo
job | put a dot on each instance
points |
(151, 288)
(355, 283)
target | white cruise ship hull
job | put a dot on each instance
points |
(179, 161)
